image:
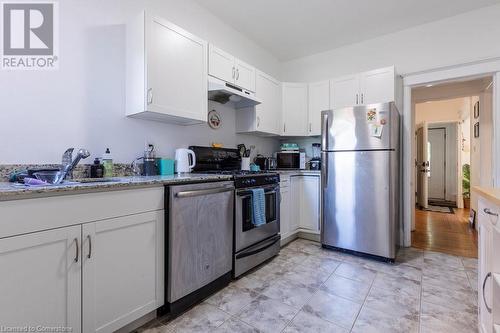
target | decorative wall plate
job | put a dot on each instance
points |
(214, 119)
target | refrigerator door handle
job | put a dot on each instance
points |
(324, 170)
(324, 131)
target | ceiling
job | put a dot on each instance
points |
(295, 28)
(451, 90)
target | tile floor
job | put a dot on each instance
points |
(309, 289)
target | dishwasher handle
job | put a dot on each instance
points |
(196, 193)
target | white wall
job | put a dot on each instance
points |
(83, 103)
(455, 40)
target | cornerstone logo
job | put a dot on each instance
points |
(29, 35)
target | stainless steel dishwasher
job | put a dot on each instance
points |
(200, 241)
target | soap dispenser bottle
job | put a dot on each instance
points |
(107, 162)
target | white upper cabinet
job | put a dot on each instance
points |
(319, 100)
(166, 72)
(377, 86)
(295, 105)
(220, 64)
(224, 66)
(264, 118)
(245, 75)
(344, 91)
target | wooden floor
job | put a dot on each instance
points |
(446, 233)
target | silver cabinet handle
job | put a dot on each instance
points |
(233, 72)
(362, 98)
(237, 73)
(77, 250)
(284, 127)
(357, 99)
(489, 212)
(484, 286)
(324, 130)
(258, 122)
(150, 96)
(195, 193)
(310, 127)
(90, 247)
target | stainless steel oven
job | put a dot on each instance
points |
(255, 244)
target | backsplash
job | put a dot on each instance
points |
(81, 171)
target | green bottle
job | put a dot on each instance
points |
(107, 162)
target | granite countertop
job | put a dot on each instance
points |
(12, 191)
(298, 171)
(490, 193)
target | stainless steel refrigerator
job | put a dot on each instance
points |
(360, 180)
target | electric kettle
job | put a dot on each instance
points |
(182, 161)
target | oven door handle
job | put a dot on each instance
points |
(248, 193)
(262, 247)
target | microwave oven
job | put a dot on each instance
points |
(291, 160)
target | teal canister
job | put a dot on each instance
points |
(166, 166)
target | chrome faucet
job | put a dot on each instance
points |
(69, 164)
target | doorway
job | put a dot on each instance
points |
(448, 161)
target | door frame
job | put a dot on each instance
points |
(490, 67)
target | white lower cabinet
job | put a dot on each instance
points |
(121, 279)
(309, 203)
(40, 283)
(299, 208)
(90, 276)
(489, 266)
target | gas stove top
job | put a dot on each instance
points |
(227, 161)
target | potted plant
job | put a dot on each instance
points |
(466, 185)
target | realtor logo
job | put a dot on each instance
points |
(29, 35)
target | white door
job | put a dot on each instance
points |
(40, 283)
(284, 211)
(295, 197)
(377, 86)
(485, 298)
(319, 100)
(295, 112)
(122, 259)
(221, 64)
(268, 113)
(344, 91)
(422, 167)
(176, 71)
(437, 159)
(309, 203)
(244, 75)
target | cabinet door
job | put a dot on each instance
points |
(221, 64)
(377, 86)
(122, 270)
(344, 91)
(295, 112)
(284, 211)
(309, 203)
(245, 75)
(176, 71)
(485, 296)
(319, 100)
(40, 282)
(295, 197)
(268, 113)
